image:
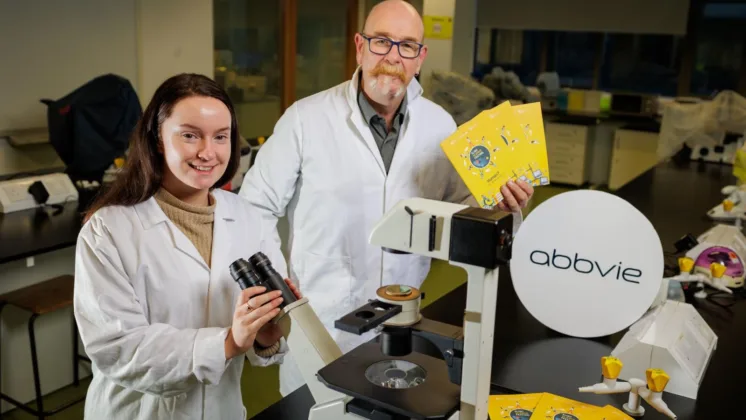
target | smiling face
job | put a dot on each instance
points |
(387, 75)
(196, 145)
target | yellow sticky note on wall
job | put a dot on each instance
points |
(438, 27)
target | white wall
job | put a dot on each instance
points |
(624, 16)
(49, 48)
(174, 36)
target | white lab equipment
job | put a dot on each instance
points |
(704, 123)
(673, 337)
(51, 189)
(723, 245)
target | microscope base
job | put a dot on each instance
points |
(332, 410)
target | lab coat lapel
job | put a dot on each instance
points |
(357, 120)
(151, 214)
(221, 239)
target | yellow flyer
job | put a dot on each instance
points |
(532, 124)
(494, 147)
(553, 407)
(512, 407)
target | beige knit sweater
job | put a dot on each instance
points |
(195, 221)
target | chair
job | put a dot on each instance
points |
(39, 299)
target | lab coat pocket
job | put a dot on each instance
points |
(327, 283)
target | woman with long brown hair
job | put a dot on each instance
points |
(165, 325)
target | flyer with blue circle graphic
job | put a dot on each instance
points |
(504, 143)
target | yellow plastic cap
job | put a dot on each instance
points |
(686, 264)
(611, 366)
(717, 270)
(657, 379)
(728, 205)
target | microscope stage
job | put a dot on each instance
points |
(435, 397)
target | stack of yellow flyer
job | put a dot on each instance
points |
(498, 145)
(546, 406)
(513, 407)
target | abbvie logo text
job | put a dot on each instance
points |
(586, 266)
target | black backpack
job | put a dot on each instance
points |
(91, 126)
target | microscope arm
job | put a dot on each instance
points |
(311, 345)
(448, 339)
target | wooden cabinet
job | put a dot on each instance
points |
(567, 149)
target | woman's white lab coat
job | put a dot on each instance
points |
(322, 166)
(153, 317)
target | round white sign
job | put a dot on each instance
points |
(587, 263)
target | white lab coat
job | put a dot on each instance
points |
(323, 167)
(153, 317)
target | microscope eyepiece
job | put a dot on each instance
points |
(243, 273)
(271, 278)
(258, 271)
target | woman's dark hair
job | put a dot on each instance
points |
(142, 173)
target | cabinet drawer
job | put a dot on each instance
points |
(566, 176)
(565, 133)
(566, 161)
(572, 149)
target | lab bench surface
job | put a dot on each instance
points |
(529, 357)
(27, 233)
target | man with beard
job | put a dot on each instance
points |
(338, 160)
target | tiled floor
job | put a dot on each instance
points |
(443, 278)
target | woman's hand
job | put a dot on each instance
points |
(254, 309)
(270, 333)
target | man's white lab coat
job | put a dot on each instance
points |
(322, 166)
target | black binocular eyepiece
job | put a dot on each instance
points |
(258, 271)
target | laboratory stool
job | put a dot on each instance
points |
(39, 299)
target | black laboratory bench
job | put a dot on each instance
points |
(27, 233)
(528, 357)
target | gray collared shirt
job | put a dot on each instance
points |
(385, 139)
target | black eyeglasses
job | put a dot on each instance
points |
(382, 46)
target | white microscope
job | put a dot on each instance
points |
(386, 379)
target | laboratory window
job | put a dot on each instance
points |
(641, 63)
(719, 48)
(518, 51)
(573, 56)
(247, 61)
(321, 46)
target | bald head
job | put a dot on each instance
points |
(400, 13)
(390, 51)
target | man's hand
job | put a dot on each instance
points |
(515, 196)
